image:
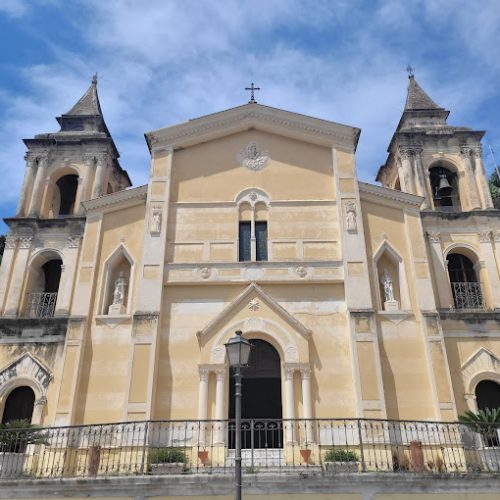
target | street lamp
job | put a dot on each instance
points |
(238, 352)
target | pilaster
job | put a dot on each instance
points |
(27, 186)
(474, 203)
(491, 270)
(440, 266)
(102, 160)
(481, 179)
(38, 188)
(6, 269)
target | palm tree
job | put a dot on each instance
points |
(485, 422)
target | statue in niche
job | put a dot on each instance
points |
(156, 221)
(388, 286)
(351, 217)
(118, 307)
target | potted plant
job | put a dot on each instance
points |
(341, 460)
(15, 436)
(167, 461)
(203, 456)
(486, 423)
(305, 453)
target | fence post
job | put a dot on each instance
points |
(144, 446)
(361, 450)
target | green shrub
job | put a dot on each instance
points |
(17, 434)
(340, 455)
(167, 456)
(486, 422)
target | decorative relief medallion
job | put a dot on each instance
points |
(254, 304)
(205, 272)
(253, 158)
(301, 271)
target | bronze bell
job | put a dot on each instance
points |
(444, 188)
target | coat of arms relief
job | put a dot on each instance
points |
(252, 157)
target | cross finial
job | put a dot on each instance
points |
(252, 89)
(410, 71)
(94, 79)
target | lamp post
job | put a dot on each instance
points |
(238, 352)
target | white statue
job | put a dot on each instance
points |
(120, 290)
(156, 222)
(388, 287)
(351, 222)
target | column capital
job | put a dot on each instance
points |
(220, 373)
(10, 242)
(305, 372)
(485, 236)
(434, 236)
(204, 372)
(101, 158)
(465, 151)
(477, 152)
(289, 372)
(496, 235)
(89, 159)
(25, 241)
(470, 397)
(41, 401)
(74, 240)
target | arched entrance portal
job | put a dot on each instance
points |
(488, 395)
(19, 405)
(261, 399)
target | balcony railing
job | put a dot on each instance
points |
(40, 305)
(320, 446)
(467, 295)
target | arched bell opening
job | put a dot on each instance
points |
(465, 286)
(261, 405)
(444, 186)
(64, 195)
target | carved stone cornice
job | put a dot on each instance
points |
(74, 240)
(407, 152)
(117, 197)
(25, 241)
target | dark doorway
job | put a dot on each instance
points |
(52, 275)
(19, 405)
(261, 402)
(488, 395)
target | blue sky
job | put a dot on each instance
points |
(161, 62)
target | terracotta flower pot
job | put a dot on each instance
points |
(306, 455)
(203, 456)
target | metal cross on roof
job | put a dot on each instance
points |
(409, 70)
(252, 89)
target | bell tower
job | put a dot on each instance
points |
(63, 169)
(441, 162)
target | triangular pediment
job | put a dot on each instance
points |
(253, 299)
(26, 366)
(482, 360)
(258, 117)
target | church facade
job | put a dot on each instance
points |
(361, 300)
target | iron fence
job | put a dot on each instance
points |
(326, 446)
(467, 295)
(40, 305)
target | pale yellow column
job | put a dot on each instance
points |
(203, 404)
(423, 180)
(402, 177)
(407, 170)
(465, 153)
(305, 374)
(102, 160)
(440, 271)
(490, 263)
(36, 197)
(220, 407)
(253, 247)
(289, 404)
(29, 176)
(481, 179)
(13, 302)
(38, 408)
(68, 272)
(6, 267)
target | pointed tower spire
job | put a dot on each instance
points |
(88, 104)
(417, 99)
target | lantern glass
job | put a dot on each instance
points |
(238, 350)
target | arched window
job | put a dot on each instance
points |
(464, 283)
(43, 288)
(19, 405)
(444, 187)
(488, 395)
(64, 196)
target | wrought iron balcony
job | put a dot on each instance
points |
(467, 295)
(40, 305)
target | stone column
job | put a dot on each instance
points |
(203, 404)
(38, 408)
(423, 179)
(14, 299)
(102, 160)
(253, 247)
(220, 376)
(440, 271)
(68, 272)
(37, 194)
(490, 263)
(481, 179)
(305, 373)
(29, 175)
(289, 405)
(471, 188)
(402, 177)
(6, 267)
(89, 161)
(407, 170)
